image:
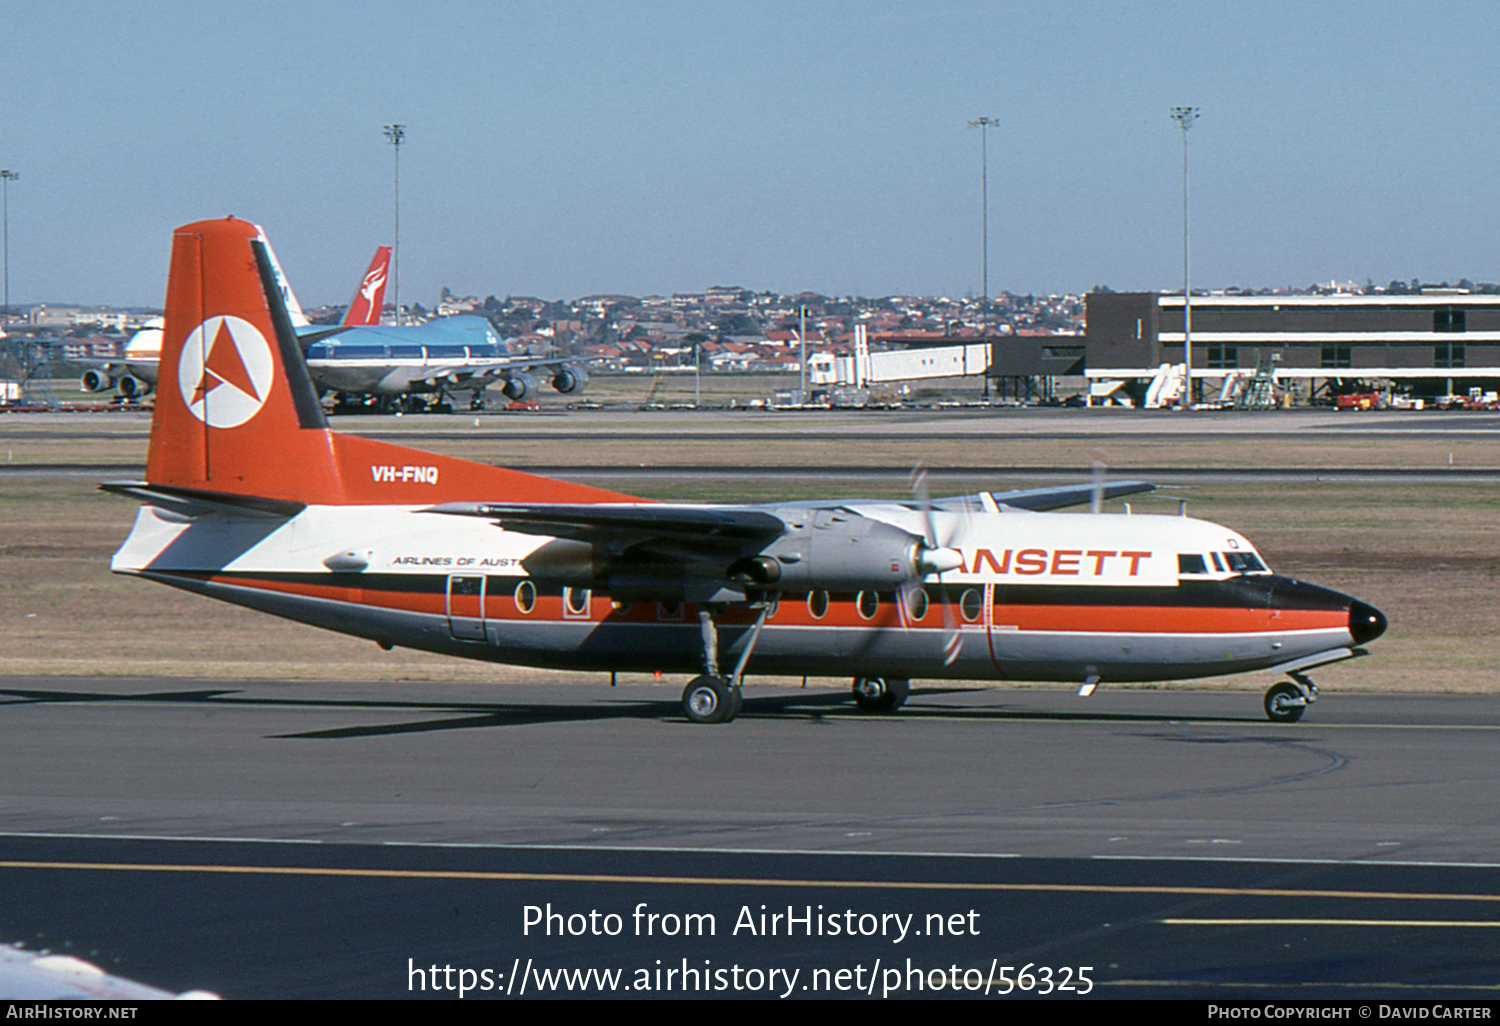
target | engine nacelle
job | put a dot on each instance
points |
(831, 551)
(850, 553)
(569, 379)
(96, 380)
(132, 387)
(519, 386)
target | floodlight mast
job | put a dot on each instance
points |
(396, 135)
(6, 177)
(984, 124)
(1185, 116)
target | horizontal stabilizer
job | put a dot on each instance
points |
(192, 501)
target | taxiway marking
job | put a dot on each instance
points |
(613, 878)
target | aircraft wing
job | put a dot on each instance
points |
(596, 523)
(1040, 500)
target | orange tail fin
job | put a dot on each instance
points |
(237, 415)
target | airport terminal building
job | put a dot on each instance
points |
(1434, 343)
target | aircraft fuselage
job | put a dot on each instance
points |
(1039, 596)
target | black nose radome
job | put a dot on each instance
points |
(1366, 622)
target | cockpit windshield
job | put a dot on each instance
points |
(1244, 563)
(1196, 563)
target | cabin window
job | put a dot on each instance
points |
(916, 604)
(669, 610)
(576, 601)
(970, 604)
(817, 604)
(1191, 563)
(525, 597)
(467, 586)
(868, 604)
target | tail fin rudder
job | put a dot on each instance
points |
(369, 299)
(237, 414)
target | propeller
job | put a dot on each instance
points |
(935, 558)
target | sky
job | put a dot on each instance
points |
(566, 148)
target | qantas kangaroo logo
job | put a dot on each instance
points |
(373, 281)
(225, 372)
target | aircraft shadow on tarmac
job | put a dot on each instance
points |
(816, 707)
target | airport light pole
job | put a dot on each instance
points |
(396, 135)
(1185, 116)
(802, 355)
(6, 177)
(984, 124)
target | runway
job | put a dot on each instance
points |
(1352, 850)
(317, 839)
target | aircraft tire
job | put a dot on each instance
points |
(1278, 709)
(880, 694)
(709, 700)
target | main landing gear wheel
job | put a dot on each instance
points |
(711, 700)
(1285, 703)
(880, 694)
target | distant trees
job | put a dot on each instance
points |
(736, 324)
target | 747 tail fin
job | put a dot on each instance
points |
(369, 299)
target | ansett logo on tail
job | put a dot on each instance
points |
(225, 372)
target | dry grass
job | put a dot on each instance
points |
(1424, 554)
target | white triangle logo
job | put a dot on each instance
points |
(225, 372)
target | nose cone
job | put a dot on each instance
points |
(1366, 622)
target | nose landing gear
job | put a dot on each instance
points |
(1287, 701)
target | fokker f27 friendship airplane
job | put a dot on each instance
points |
(251, 499)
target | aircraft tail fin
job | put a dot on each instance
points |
(369, 299)
(237, 413)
